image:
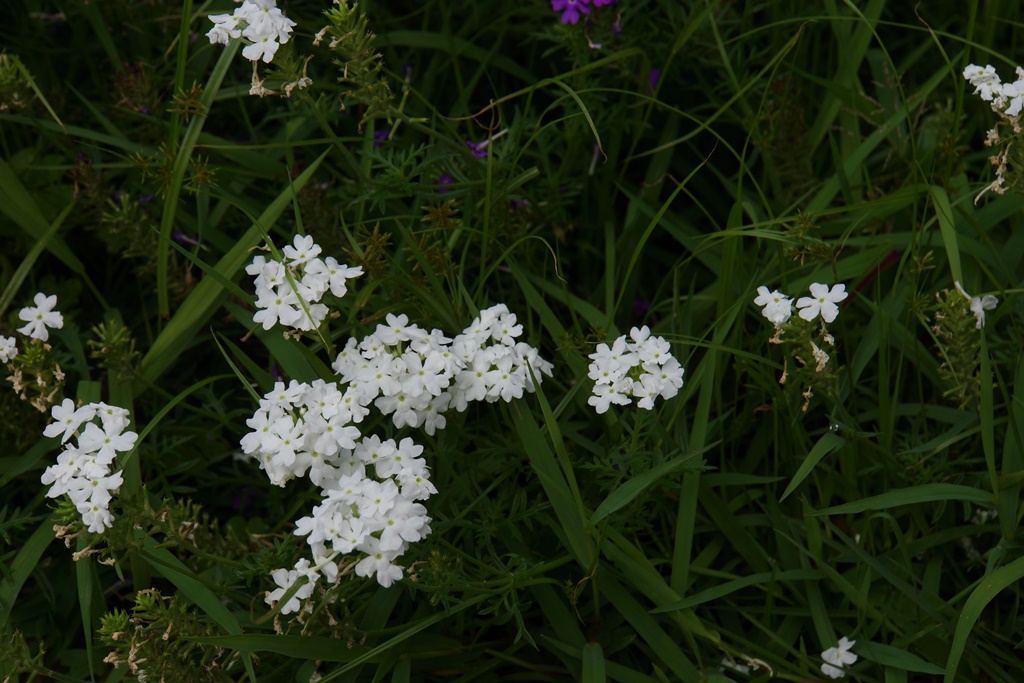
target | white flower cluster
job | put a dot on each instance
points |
(414, 376)
(289, 292)
(304, 427)
(823, 303)
(38, 321)
(1005, 98)
(778, 307)
(83, 469)
(307, 427)
(407, 373)
(374, 514)
(642, 368)
(259, 21)
(838, 657)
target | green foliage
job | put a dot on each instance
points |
(652, 164)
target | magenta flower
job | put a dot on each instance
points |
(479, 149)
(442, 181)
(571, 9)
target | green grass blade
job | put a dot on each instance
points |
(182, 157)
(896, 658)
(988, 588)
(554, 484)
(22, 566)
(593, 663)
(629, 490)
(208, 294)
(947, 228)
(925, 493)
(828, 443)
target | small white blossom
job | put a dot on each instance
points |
(822, 301)
(41, 317)
(8, 349)
(837, 658)
(979, 304)
(260, 22)
(777, 307)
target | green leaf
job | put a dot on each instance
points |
(896, 657)
(208, 294)
(926, 493)
(625, 493)
(988, 588)
(947, 228)
(828, 443)
(593, 663)
(728, 587)
(22, 566)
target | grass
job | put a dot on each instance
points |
(653, 165)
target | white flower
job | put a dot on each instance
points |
(40, 317)
(822, 301)
(67, 419)
(979, 304)
(976, 74)
(836, 658)
(777, 306)
(82, 471)
(640, 366)
(8, 349)
(289, 291)
(259, 21)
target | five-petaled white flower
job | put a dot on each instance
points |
(822, 301)
(838, 657)
(777, 306)
(8, 349)
(40, 317)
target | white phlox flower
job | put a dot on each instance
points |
(776, 306)
(371, 488)
(1006, 99)
(260, 22)
(8, 349)
(371, 509)
(822, 301)
(638, 366)
(414, 375)
(979, 304)
(83, 469)
(837, 658)
(41, 317)
(289, 291)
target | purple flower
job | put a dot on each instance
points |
(479, 149)
(571, 9)
(640, 308)
(380, 137)
(602, 3)
(652, 80)
(183, 238)
(443, 180)
(245, 497)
